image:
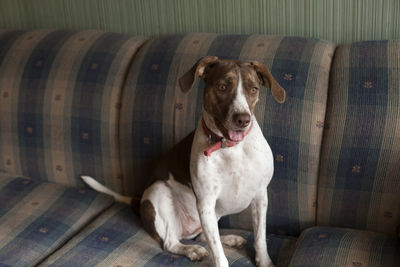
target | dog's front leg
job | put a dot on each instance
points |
(259, 213)
(206, 208)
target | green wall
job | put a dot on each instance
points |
(336, 20)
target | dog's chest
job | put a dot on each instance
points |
(239, 177)
(235, 175)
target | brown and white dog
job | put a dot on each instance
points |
(221, 168)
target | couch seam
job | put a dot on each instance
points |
(122, 93)
(325, 129)
(78, 231)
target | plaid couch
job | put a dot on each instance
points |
(108, 105)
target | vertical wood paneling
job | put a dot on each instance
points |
(336, 20)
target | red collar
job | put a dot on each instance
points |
(217, 142)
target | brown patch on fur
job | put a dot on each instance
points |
(147, 216)
(177, 162)
(250, 80)
(187, 80)
(269, 81)
(217, 101)
(226, 73)
(135, 205)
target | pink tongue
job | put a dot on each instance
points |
(236, 136)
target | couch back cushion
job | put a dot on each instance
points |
(60, 101)
(360, 166)
(156, 114)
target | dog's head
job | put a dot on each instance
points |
(231, 92)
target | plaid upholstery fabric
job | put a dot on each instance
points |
(325, 246)
(116, 238)
(60, 101)
(155, 114)
(36, 217)
(359, 185)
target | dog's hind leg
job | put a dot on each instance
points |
(161, 220)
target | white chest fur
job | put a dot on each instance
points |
(233, 175)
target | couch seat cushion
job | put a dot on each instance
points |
(116, 238)
(36, 218)
(329, 246)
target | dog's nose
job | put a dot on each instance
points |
(241, 120)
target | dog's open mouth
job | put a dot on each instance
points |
(231, 135)
(235, 136)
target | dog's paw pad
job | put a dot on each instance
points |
(233, 241)
(196, 252)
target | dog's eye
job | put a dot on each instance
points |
(253, 90)
(222, 87)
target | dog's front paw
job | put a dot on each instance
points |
(233, 241)
(195, 252)
(264, 261)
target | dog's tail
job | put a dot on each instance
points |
(102, 189)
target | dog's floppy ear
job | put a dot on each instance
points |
(187, 80)
(268, 81)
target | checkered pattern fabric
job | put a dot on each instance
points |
(328, 246)
(60, 101)
(36, 218)
(116, 238)
(359, 180)
(156, 114)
